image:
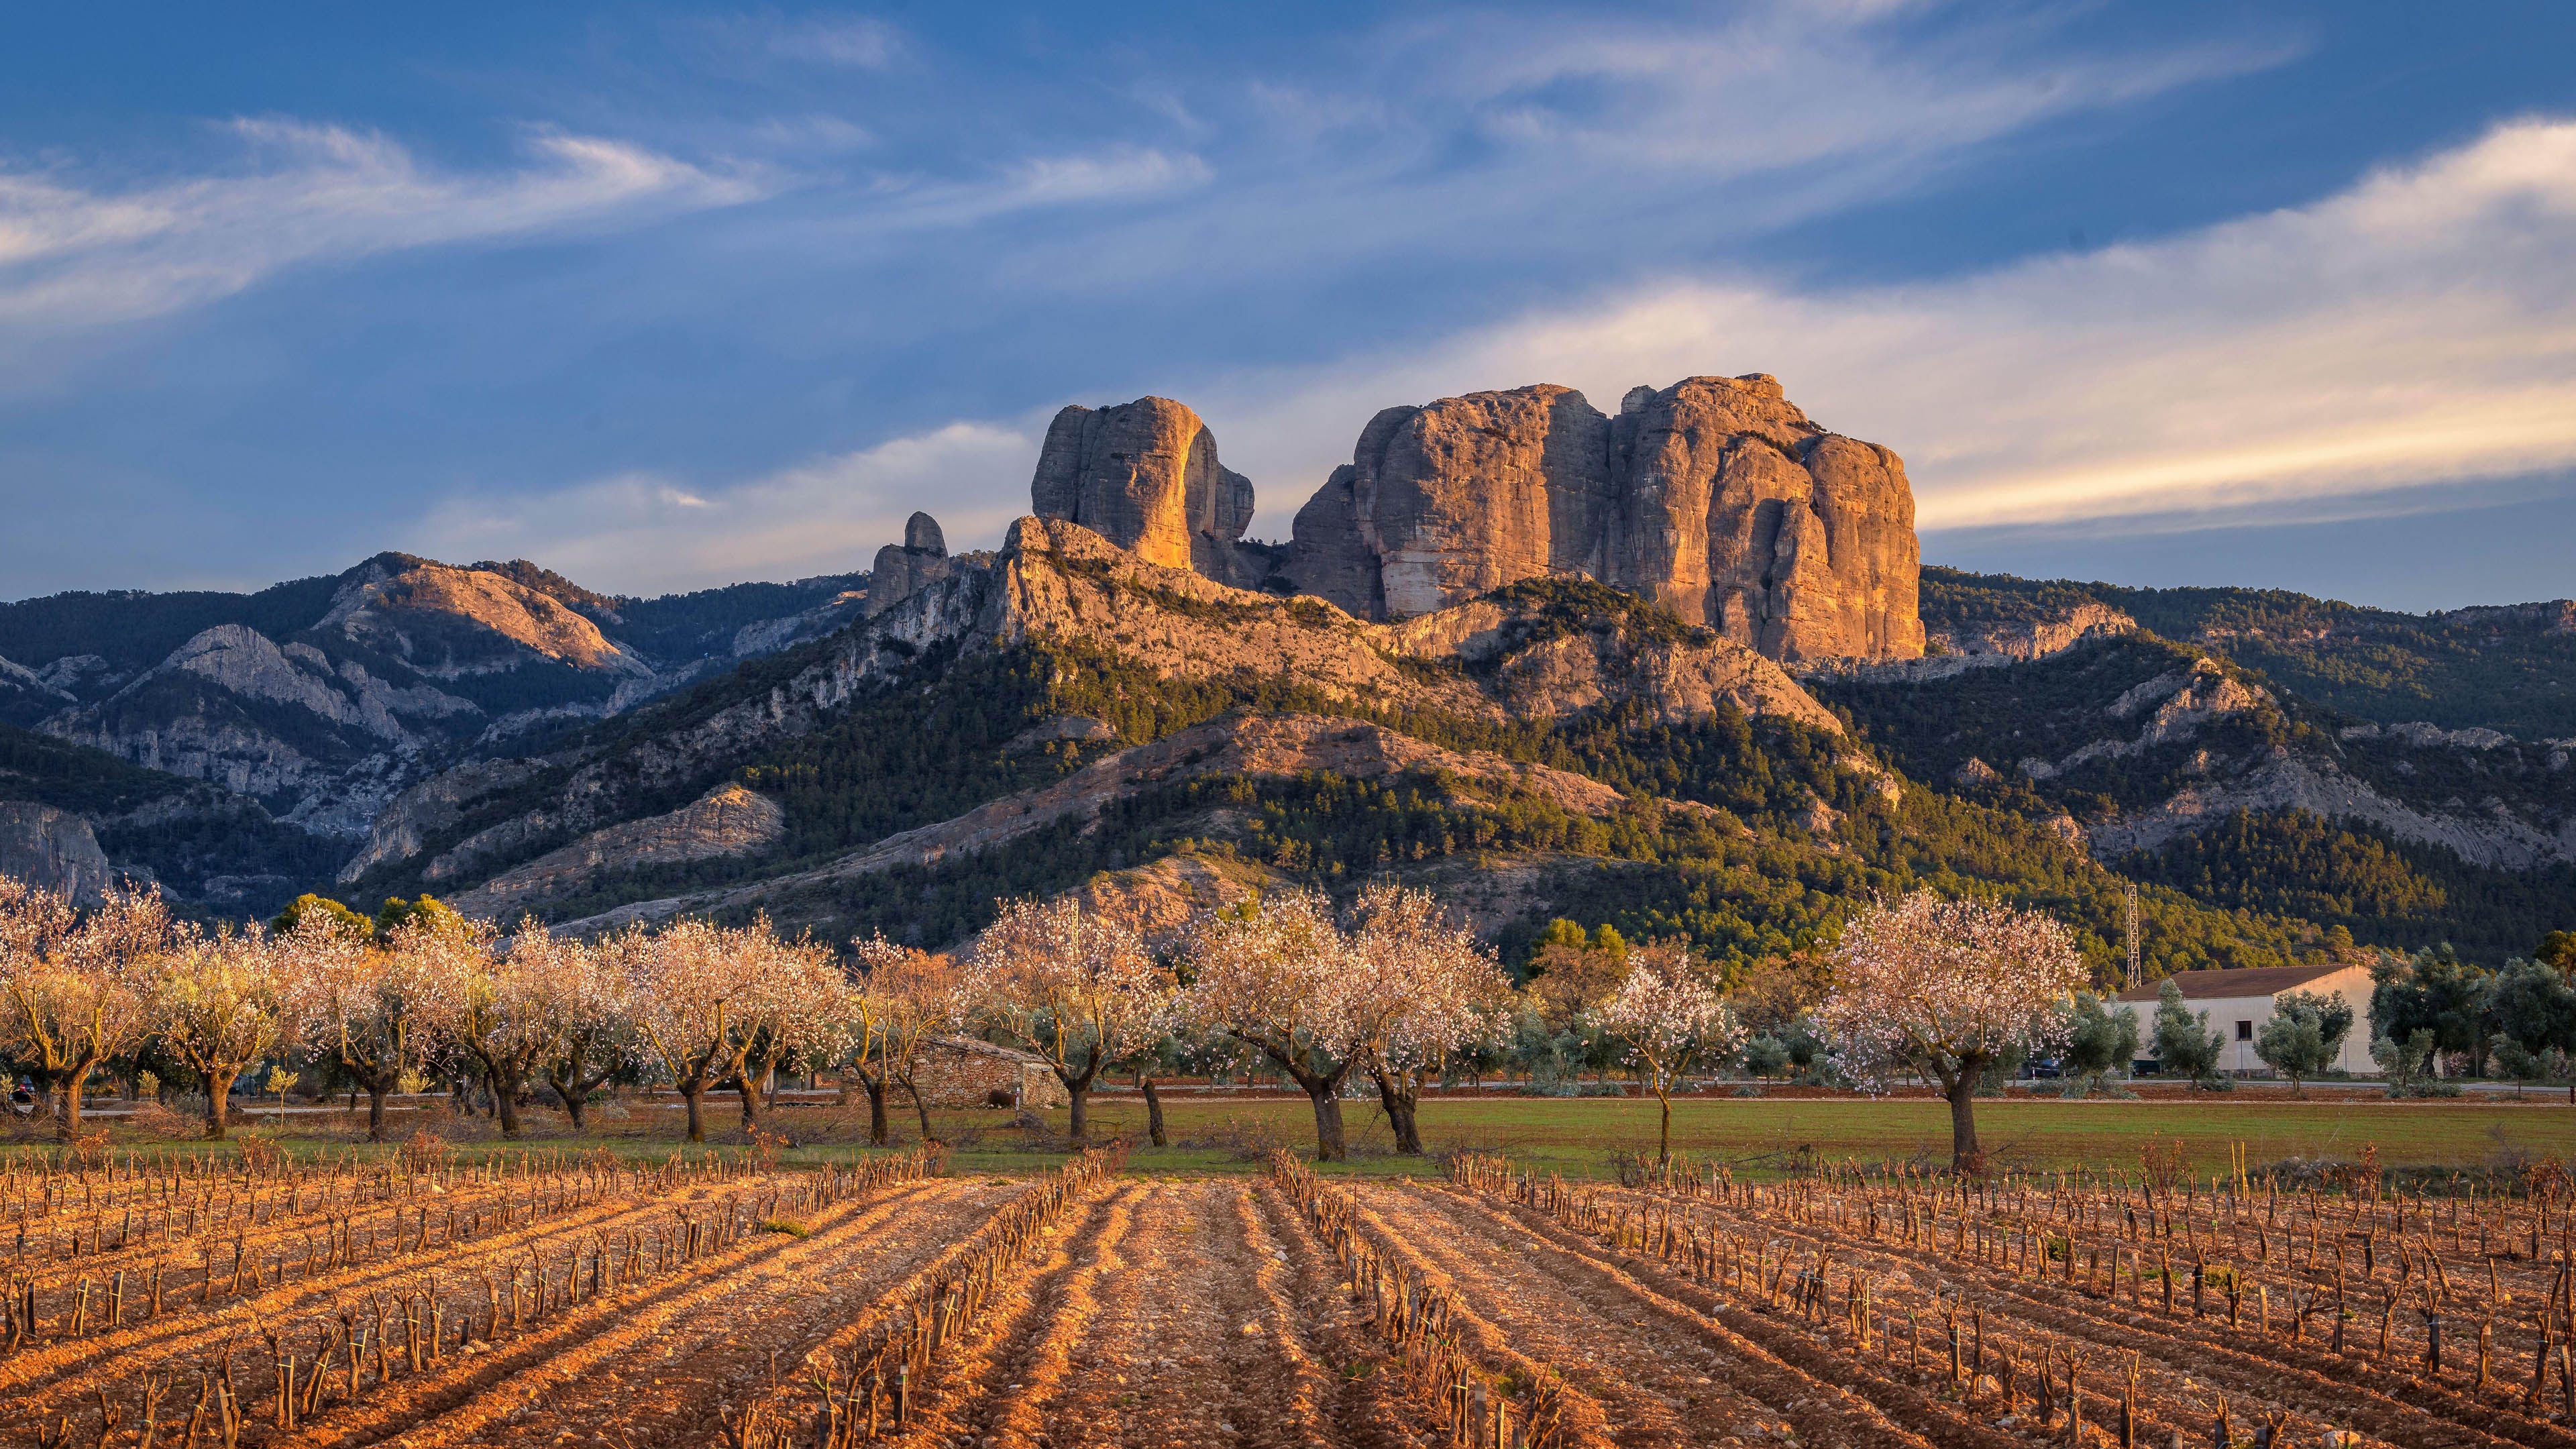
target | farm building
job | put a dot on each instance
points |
(962, 1071)
(2239, 1002)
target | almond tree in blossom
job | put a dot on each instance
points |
(790, 987)
(506, 1010)
(76, 985)
(1671, 1019)
(1422, 990)
(582, 988)
(900, 998)
(1276, 974)
(1077, 988)
(376, 1008)
(690, 996)
(1947, 987)
(220, 1002)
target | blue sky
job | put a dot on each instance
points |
(666, 297)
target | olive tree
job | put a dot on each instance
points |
(1944, 987)
(2304, 1036)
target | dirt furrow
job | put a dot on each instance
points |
(2181, 1358)
(1006, 1372)
(1193, 1342)
(1827, 1398)
(1368, 1407)
(596, 1368)
(186, 1329)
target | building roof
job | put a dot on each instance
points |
(2261, 981)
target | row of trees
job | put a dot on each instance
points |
(1387, 989)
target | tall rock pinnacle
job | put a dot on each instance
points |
(1145, 476)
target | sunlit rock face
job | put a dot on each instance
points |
(1145, 476)
(1716, 496)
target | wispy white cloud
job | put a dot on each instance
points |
(75, 255)
(2419, 326)
(647, 534)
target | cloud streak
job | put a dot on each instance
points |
(74, 256)
(645, 534)
(2420, 326)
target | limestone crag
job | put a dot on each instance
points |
(905, 569)
(52, 849)
(728, 820)
(405, 824)
(1145, 476)
(1716, 497)
(447, 622)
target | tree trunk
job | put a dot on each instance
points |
(693, 1096)
(749, 1090)
(1664, 1143)
(1330, 1145)
(376, 1090)
(570, 1092)
(73, 1081)
(1153, 1109)
(505, 1099)
(1077, 1085)
(1961, 1088)
(1400, 1099)
(879, 1134)
(219, 1094)
(921, 1107)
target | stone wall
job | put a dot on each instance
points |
(963, 1072)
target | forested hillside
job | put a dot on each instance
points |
(2509, 667)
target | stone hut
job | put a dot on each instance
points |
(962, 1071)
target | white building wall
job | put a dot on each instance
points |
(2239, 1022)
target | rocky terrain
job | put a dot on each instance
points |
(314, 704)
(1676, 667)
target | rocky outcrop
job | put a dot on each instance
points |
(404, 826)
(2022, 640)
(1495, 661)
(1716, 497)
(2425, 735)
(447, 622)
(51, 848)
(905, 569)
(1145, 476)
(729, 820)
(2493, 837)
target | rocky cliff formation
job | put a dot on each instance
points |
(51, 848)
(905, 569)
(1145, 476)
(728, 820)
(1716, 497)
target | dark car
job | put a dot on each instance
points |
(2042, 1067)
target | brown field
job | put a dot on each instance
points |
(167, 1302)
